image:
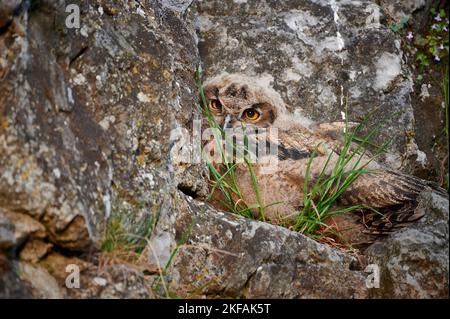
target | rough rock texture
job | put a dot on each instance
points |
(87, 118)
(225, 255)
(91, 138)
(105, 281)
(11, 285)
(414, 262)
(230, 256)
(320, 56)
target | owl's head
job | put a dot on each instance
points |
(236, 100)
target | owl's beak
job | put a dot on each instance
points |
(227, 123)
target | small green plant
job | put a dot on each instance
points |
(123, 239)
(326, 189)
(431, 46)
(430, 51)
(401, 25)
(434, 45)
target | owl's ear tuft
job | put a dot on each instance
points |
(231, 90)
(211, 91)
(234, 91)
(271, 116)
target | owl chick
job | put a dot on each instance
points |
(236, 101)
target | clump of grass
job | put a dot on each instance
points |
(320, 197)
(224, 179)
(122, 238)
(123, 242)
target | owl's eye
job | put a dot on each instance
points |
(251, 114)
(216, 105)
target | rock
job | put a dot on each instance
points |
(414, 262)
(11, 287)
(43, 285)
(225, 255)
(219, 254)
(176, 5)
(106, 281)
(34, 250)
(93, 138)
(125, 283)
(416, 10)
(56, 264)
(399, 9)
(321, 56)
(22, 225)
(7, 238)
(96, 140)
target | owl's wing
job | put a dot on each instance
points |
(299, 145)
(392, 194)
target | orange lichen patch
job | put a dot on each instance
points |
(134, 69)
(152, 62)
(141, 160)
(19, 162)
(166, 75)
(4, 124)
(129, 88)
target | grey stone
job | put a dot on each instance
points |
(43, 285)
(93, 138)
(7, 238)
(414, 261)
(219, 254)
(86, 116)
(225, 255)
(11, 286)
(22, 226)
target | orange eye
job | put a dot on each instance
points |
(251, 114)
(216, 105)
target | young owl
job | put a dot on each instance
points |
(239, 102)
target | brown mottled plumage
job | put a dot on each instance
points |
(234, 99)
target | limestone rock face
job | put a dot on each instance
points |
(7, 8)
(416, 10)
